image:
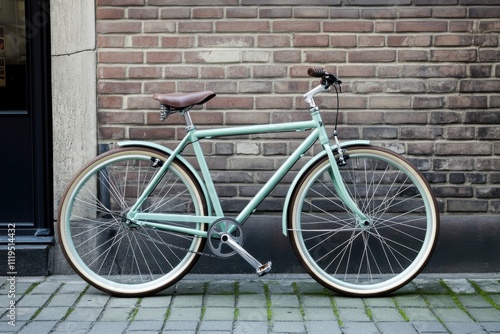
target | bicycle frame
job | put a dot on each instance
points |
(318, 133)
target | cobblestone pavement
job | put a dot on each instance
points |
(250, 305)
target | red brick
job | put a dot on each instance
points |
(420, 26)
(325, 56)
(109, 27)
(231, 102)
(159, 26)
(482, 85)
(143, 13)
(360, 117)
(487, 55)
(405, 117)
(372, 56)
(409, 40)
(119, 87)
(240, 118)
(461, 26)
(390, 102)
(434, 71)
(111, 13)
(162, 87)
(121, 57)
(486, 40)
(415, 12)
(379, 13)
(175, 13)
(192, 2)
(486, 12)
(384, 26)
(436, 2)
(344, 13)
(177, 42)
(269, 71)
(115, 133)
(428, 102)
(163, 57)
(465, 102)
(181, 72)
(313, 41)
(340, 41)
(121, 117)
(275, 12)
(114, 72)
(388, 71)
(287, 56)
(310, 12)
(195, 26)
(296, 26)
(241, 41)
(453, 40)
(110, 41)
(449, 12)
(413, 55)
(273, 102)
(141, 102)
(146, 72)
(405, 86)
(453, 55)
(120, 2)
(489, 26)
(208, 13)
(361, 71)
(241, 12)
(110, 102)
(212, 72)
(291, 86)
(222, 86)
(150, 133)
(238, 72)
(145, 41)
(347, 26)
(273, 41)
(242, 26)
(371, 40)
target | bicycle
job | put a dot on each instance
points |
(362, 220)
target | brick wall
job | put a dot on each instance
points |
(421, 77)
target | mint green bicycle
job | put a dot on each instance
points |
(362, 220)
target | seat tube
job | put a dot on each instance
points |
(200, 158)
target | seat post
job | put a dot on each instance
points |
(189, 122)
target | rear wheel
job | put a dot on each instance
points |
(112, 253)
(372, 257)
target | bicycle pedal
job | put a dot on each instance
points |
(264, 269)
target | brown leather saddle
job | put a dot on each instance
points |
(183, 100)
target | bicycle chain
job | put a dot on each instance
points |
(188, 250)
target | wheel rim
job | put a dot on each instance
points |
(105, 248)
(344, 256)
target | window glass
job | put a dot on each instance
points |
(12, 56)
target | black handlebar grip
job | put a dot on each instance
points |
(316, 72)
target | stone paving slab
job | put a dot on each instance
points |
(242, 304)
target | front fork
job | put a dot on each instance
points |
(340, 187)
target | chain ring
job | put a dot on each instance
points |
(217, 229)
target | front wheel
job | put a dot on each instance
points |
(113, 253)
(372, 257)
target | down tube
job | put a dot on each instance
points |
(277, 176)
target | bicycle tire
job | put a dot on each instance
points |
(370, 258)
(101, 245)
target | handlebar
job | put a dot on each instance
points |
(327, 79)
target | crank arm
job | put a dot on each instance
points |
(260, 268)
